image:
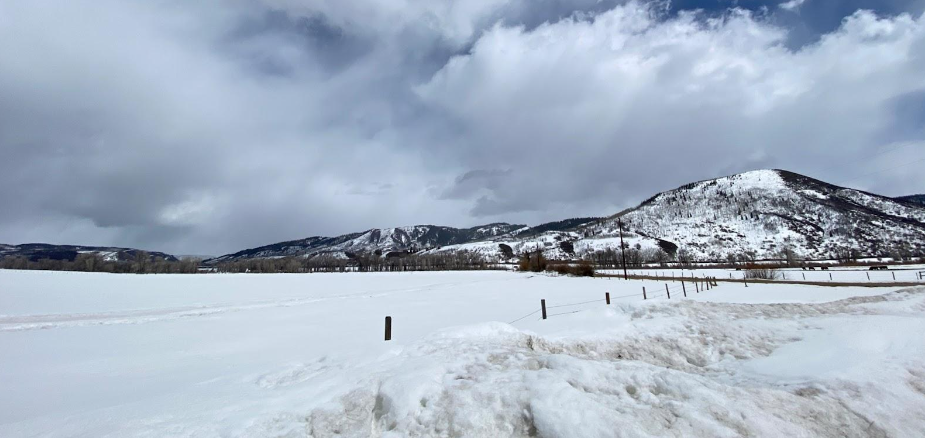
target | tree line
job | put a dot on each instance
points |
(141, 263)
(361, 262)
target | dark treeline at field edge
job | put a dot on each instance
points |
(141, 263)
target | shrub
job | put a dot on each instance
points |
(761, 274)
(581, 269)
(533, 262)
(560, 268)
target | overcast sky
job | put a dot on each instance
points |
(206, 127)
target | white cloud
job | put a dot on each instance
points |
(791, 5)
(637, 102)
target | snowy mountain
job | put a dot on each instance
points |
(764, 212)
(39, 251)
(381, 241)
(757, 214)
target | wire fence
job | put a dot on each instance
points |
(683, 285)
(525, 316)
(573, 304)
(565, 313)
(655, 294)
(877, 275)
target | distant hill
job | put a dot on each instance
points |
(563, 225)
(377, 240)
(918, 199)
(39, 251)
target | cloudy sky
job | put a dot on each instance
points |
(210, 126)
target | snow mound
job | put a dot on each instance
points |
(694, 370)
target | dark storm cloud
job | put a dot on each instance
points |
(206, 127)
(908, 121)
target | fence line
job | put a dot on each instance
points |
(565, 313)
(675, 288)
(572, 304)
(522, 317)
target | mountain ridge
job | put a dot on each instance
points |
(777, 210)
(47, 251)
(810, 216)
(382, 240)
(916, 199)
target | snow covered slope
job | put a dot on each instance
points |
(763, 212)
(376, 240)
(555, 245)
(756, 214)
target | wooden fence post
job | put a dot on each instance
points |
(667, 291)
(644, 293)
(804, 276)
(894, 275)
(830, 276)
(388, 328)
(607, 297)
(697, 286)
(543, 305)
(684, 289)
(868, 276)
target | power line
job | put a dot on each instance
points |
(881, 171)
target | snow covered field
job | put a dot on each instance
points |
(303, 355)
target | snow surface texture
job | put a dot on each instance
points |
(302, 355)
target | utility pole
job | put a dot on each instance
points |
(622, 249)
